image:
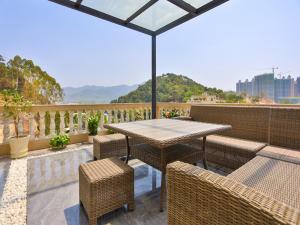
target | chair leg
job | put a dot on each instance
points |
(130, 206)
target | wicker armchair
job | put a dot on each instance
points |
(197, 196)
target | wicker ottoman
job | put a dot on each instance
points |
(105, 185)
(112, 145)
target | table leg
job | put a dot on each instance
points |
(204, 155)
(153, 179)
(128, 149)
(163, 179)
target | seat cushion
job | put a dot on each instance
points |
(283, 154)
(275, 178)
(239, 146)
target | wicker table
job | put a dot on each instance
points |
(163, 133)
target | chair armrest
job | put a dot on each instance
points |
(197, 196)
(182, 118)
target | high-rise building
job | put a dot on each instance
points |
(244, 87)
(284, 87)
(297, 87)
(268, 87)
(264, 86)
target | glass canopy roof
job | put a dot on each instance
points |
(152, 17)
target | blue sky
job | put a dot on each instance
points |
(234, 41)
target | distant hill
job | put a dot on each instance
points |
(174, 88)
(95, 94)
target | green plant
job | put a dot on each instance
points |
(93, 123)
(138, 115)
(15, 107)
(171, 114)
(59, 141)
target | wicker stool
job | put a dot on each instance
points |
(112, 145)
(105, 185)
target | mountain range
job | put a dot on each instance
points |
(170, 88)
(95, 94)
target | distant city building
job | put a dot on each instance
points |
(284, 88)
(264, 86)
(244, 88)
(297, 87)
(267, 87)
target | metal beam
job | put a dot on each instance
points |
(183, 5)
(102, 15)
(153, 46)
(78, 3)
(189, 16)
(140, 11)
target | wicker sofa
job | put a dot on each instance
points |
(264, 191)
(253, 128)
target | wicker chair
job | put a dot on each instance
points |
(197, 196)
(104, 186)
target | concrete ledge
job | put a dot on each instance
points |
(43, 143)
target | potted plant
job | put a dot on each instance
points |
(171, 114)
(93, 123)
(17, 108)
(59, 141)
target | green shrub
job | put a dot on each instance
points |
(59, 141)
(93, 123)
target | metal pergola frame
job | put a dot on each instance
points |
(192, 12)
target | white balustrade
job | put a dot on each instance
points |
(47, 124)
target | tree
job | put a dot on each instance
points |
(30, 81)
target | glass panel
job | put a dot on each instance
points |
(197, 3)
(159, 15)
(121, 9)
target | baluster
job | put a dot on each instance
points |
(122, 116)
(42, 124)
(101, 119)
(109, 114)
(133, 114)
(147, 114)
(62, 122)
(6, 130)
(116, 119)
(71, 123)
(125, 115)
(85, 120)
(31, 126)
(52, 123)
(79, 121)
(20, 127)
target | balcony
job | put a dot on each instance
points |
(43, 187)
